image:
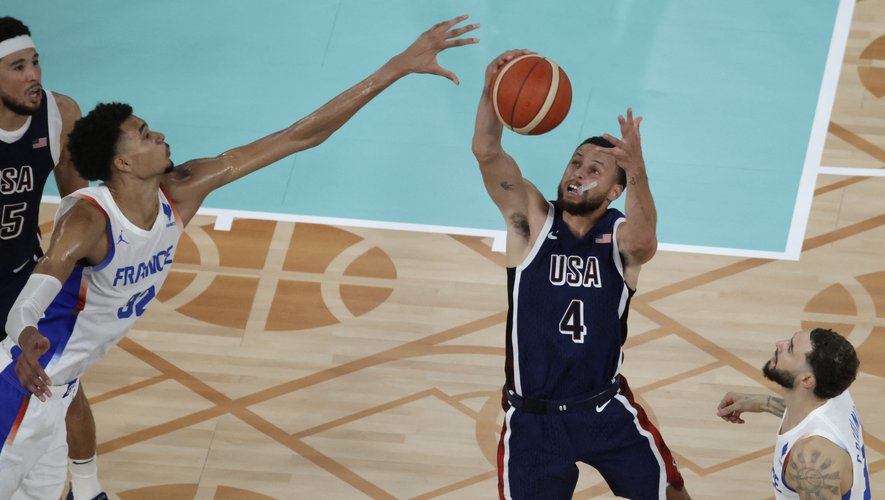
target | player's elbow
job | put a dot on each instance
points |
(486, 151)
(307, 133)
(642, 249)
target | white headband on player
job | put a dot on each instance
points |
(15, 44)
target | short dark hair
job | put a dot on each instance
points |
(11, 27)
(833, 362)
(93, 142)
(605, 143)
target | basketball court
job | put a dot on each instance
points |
(333, 326)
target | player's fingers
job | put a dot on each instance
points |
(439, 70)
(612, 139)
(451, 22)
(726, 408)
(461, 41)
(42, 375)
(460, 31)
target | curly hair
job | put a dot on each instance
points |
(605, 143)
(11, 27)
(93, 142)
(833, 362)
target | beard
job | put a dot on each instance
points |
(582, 207)
(19, 108)
(782, 378)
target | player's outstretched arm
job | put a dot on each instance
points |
(733, 404)
(519, 201)
(79, 236)
(192, 183)
(637, 237)
(66, 177)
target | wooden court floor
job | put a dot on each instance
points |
(304, 361)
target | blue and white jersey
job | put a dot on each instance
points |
(837, 421)
(98, 305)
(27, 156)
(568, 311)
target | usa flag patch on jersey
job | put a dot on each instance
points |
(40, 143)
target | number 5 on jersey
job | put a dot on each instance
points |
(572, 322)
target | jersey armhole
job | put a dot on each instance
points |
(616, 253)
(111, 246)
(173, 207)
(54, 124)
(539, 241)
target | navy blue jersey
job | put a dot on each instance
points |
(24, 166)
(568, 311)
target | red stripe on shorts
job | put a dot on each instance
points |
(674, 477)
(18, 420)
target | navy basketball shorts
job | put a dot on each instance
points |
(10, 286)
(538, 454)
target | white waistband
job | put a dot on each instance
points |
(63, 391)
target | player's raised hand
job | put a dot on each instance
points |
(628, 149)
(501, 60)
(420, 57)
(733, 404)
(28, 369)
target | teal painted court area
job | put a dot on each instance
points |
(732, 93)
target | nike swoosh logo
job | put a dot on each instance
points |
(551, 236)
(19, 268)
(600, 408)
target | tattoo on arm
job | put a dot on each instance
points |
(776, 406)
(632, 181)
(816, 480)
(506, 185)
(521, 223)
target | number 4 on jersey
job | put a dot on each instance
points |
(572, 322)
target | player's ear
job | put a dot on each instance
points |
(615, 192)
(807, 380)
(122, 163)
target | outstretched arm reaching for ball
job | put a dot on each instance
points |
(520, 202)
(637, 236)
(193, 181)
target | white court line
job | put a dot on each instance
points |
(728, 252)
(225, 217)
(814, 152)
(228, 214)
(852, 172)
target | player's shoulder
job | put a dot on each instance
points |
(816, 464)
(67, 106)
(817, 453)
(84, 213)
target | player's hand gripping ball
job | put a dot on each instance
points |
(531, 94)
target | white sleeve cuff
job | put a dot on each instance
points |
(31, 303)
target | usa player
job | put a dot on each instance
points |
(820, 450)
(34, 127)
(92, 285)
(572, 268)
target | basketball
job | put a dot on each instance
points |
(531, 94)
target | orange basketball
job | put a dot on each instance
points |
(531, 94)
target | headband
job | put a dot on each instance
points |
(15, 44)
